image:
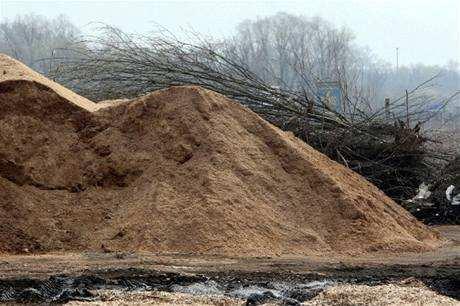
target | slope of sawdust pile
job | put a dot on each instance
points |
(180, 170)
(14, 72)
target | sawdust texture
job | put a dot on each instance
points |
(340, 295)
(13, 71)
(391, 294)
(119, 298)
(181, 170)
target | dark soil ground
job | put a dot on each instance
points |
(65, 277)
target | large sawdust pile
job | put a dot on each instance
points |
(180, 170)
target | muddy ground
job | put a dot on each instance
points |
(87, 277)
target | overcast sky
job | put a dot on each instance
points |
(426, 31)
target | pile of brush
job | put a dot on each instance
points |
(384, 144)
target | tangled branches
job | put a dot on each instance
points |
(383, 144)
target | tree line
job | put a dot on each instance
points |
(284, 50)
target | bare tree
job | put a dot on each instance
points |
(295, 52)
(33, 38)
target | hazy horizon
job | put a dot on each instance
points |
(382, 26)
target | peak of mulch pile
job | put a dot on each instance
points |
(181, 170)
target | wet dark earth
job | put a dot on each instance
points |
(61, 278)
(256, 288)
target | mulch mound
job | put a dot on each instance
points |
(182, 170)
